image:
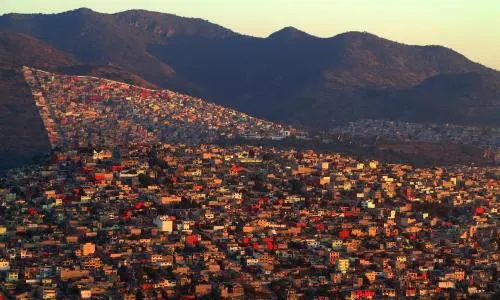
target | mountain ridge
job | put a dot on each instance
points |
(289, 76)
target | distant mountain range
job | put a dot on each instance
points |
(289, 76)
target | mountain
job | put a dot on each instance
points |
(120, 39)
(289, 34)
(289, 76)
(294, 77)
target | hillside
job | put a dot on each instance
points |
(120, 39)
(82, 111)
(18, 49)
(22, 134)
(315, 81)
(468, 98)
(290, 76)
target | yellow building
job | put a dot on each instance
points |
(343, 265)
(371, 276)
(324, 180)
(13, 276)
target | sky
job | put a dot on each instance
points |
(471, 27)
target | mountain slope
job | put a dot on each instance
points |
(22, 134)
(18, 49)
(300, 79)
(468, 98)
(121, 39)
(81, 111)
(290, 76)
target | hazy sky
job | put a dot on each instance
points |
(471, 27)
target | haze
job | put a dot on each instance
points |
(469, 27)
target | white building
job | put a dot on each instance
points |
(164, 223)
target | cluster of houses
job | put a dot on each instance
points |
(78, 110)
(135, 202)
(160, 220)
(399, 130)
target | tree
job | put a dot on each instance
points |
(145, 180)
(21, 287)
(296, 186)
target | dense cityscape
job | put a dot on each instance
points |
(268, 150)
(136, 202)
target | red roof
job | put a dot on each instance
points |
(344, 234)
(269, 245)
(192, 239)
(32, 211)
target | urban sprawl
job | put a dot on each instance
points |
(136, 202)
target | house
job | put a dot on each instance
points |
(343, 265)
(4, 265)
